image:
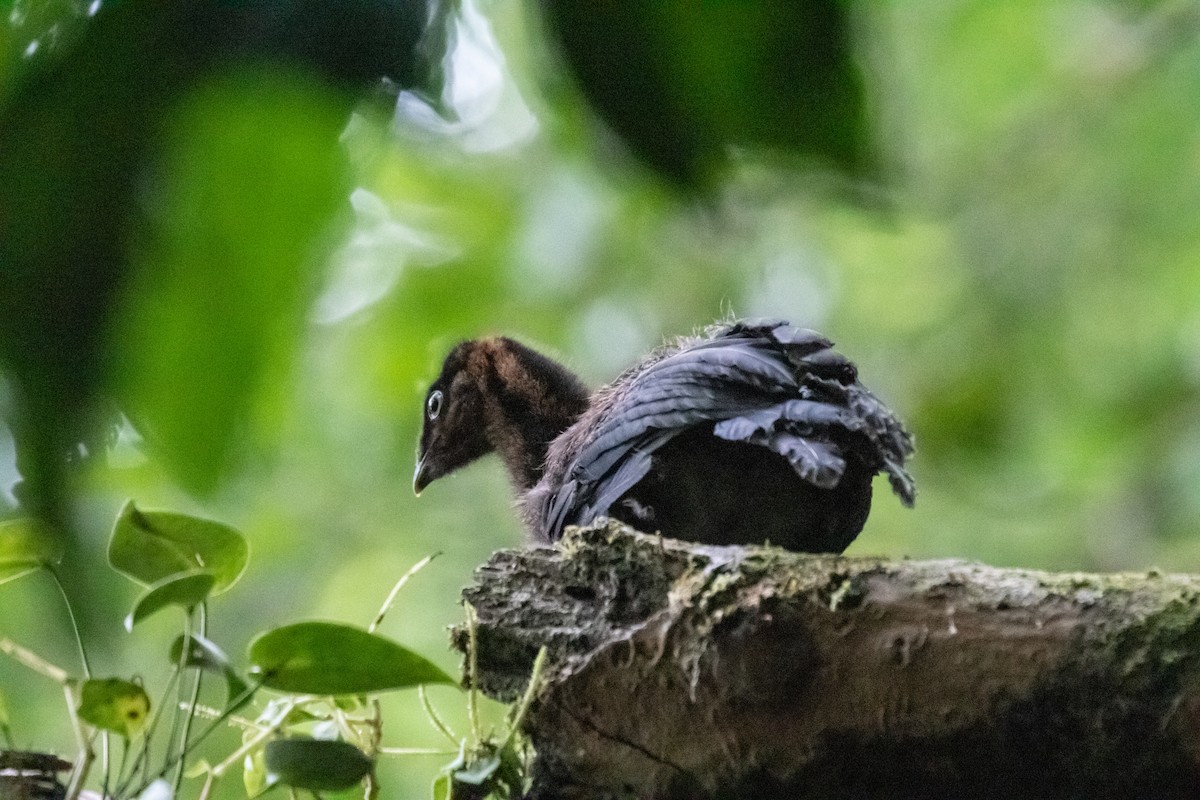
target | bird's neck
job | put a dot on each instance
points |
(528, 401)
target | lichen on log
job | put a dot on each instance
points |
(677, 670)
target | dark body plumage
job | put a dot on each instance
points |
(757, 431)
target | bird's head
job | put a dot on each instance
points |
(454, 431)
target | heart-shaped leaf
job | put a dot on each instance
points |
(331, 658)
(205, 655)
(25, 545)
(149, 546)
(186, 590)
(115, 705)
(316, 764)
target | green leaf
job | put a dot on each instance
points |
(115, 705)
(25, 545)
(237, 145)
(149, 546)
(331, 658)
(512, 771)
(443, 787)
(317, 765)
(205, 655)
(186, 590)
(72, 197)
(682, 82)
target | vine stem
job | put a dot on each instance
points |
(472, 671)
(415, 751)
(434, 719)
(85, 665)
(391, 598)
(62, 591)
(284, 710)
(33, 661)
(142, 759)
(190, 714)
(535, 677)
(86, 754)
(220, 720)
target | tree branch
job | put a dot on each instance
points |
(680, 670)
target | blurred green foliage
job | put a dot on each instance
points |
(681, 81)
(1027, 296)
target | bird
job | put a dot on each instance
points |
(750, 432)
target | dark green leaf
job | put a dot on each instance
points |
(115, 705)
(25, 545)
(211, 250)
(149, 546)
(205, 655)
(330, 658)
(73, 192)
(186, 590)
(512, 771)
(681, 82)
(317, 765)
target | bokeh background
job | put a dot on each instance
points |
(1019, 278)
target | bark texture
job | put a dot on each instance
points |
(685, 671)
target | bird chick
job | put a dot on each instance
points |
(755, 432)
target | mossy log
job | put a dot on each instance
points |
(677, 670)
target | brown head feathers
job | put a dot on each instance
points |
(496, 394)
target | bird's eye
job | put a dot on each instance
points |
(433, 406)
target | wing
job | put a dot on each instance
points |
(760, 382)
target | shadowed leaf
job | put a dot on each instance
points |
(185, 590)
(330, 658)
(684, 82)
(204, 654)
(317, 765)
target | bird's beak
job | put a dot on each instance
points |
(421, 477)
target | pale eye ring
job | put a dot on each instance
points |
(433, 406)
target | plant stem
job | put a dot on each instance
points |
(472, 672)
(391, 598)
(216, 723)
(142, 759)
(30, 659)
(415, 751)
(240, 753)
(434, 718)
(535, 676)
(86, 754)
(62, 591)
(190, 714)
(208, 784)
(34, 662)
